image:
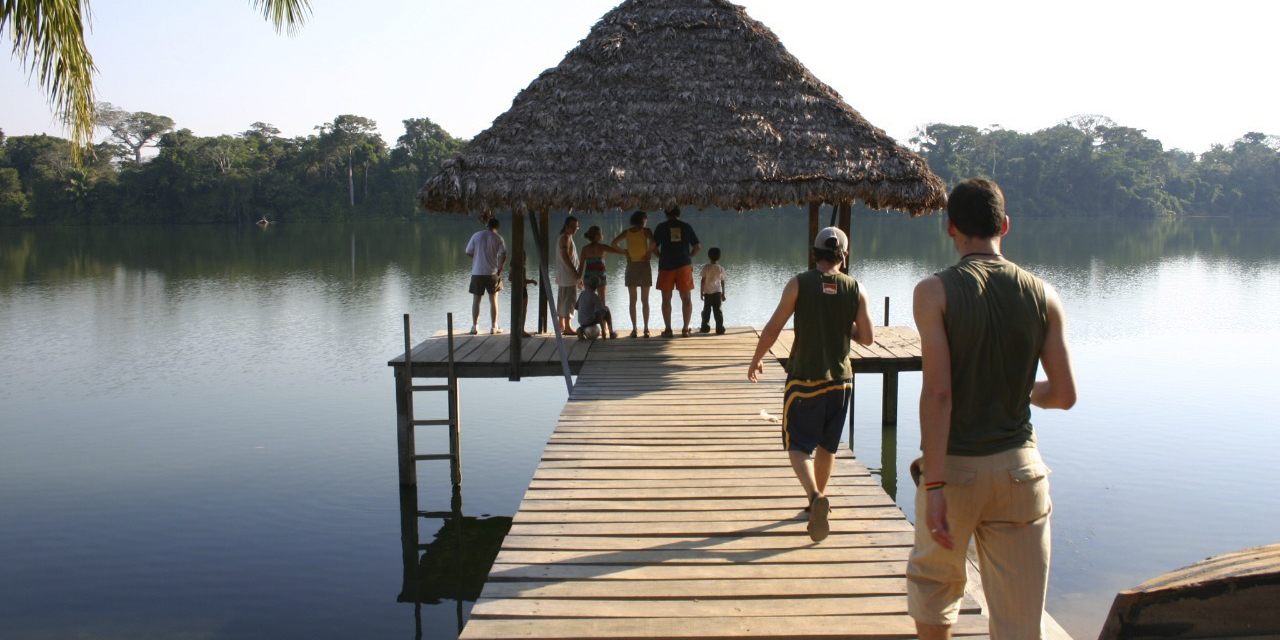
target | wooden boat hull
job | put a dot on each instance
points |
(1236, 595)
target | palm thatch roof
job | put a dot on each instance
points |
(680, 102)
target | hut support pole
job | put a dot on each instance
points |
(544, 248)
(889, 399)
(404, 423)
(852, 397)
(545, 278)
(518, 303)
(846, 225)
(813, 231)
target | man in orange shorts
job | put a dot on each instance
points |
(676, 244)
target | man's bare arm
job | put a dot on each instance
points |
(773, 328)
(1059, 390)
(863, 333)
(928, 307)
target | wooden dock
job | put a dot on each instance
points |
(664, 507)
(895, 350)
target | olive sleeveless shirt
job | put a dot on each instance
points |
(826, 308)
(996, 321)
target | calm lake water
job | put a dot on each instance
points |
(197, 425)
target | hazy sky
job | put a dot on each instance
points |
(1190, 74)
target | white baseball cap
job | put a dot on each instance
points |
(832, 238)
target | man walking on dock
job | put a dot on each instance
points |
(984, 325)
(831, 310)
(488, 254)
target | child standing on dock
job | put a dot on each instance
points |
(713, 292)
(593, 260)
(831, 311)
(593, 315)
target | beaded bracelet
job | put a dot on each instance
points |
(930, 486)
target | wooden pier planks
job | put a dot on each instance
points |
(488, 356)
(664, 507)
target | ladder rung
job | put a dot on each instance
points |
(434, 456)
(436, 514)
(427, 423)
(432, 387)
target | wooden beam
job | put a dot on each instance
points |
(518, 303)
(545, 278)
(813, 231)
(846, 226)
(542, 233)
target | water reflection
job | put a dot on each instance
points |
(454, 565)
(434, 246)
(148, 369)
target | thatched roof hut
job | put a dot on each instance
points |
(680, 102)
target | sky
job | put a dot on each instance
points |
(1190, 74)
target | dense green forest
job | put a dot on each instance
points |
(343, 171)
(1085, 166)
(1091, 166)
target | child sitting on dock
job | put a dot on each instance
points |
(593, 315)
(713, 292)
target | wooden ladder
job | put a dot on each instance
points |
(409, 457)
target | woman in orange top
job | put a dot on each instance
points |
(639, 249)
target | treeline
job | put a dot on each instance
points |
(1085, 166)
(343, 171)
(1089, 166)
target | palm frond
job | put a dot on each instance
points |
(48, 40)
(284, 15)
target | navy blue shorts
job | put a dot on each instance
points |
(814, 414)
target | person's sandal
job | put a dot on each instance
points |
(646, 333)
(666, 333)
(819, 527)
(685, 333)
(633, 333)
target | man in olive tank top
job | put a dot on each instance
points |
(831, 311)
(984, 326)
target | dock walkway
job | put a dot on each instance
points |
(663, 506)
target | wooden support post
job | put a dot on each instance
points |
(886, 311)
(404, 414)
(853, 395)
(813, 231)
(889, 462)
(455, 413)
(518, 303)
(545, 278)
(846, 227)
(889, 411)
(541, 232)
(409, 556)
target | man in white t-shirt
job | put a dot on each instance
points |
(488, 256)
